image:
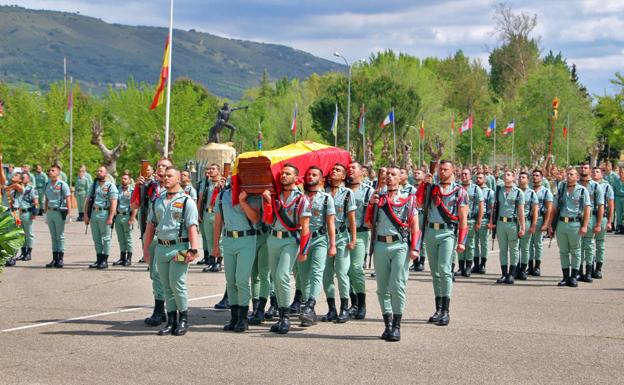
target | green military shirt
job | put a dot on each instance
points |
(545, 184)
(208, 191)
(321, 205)
(56, 194)
(488, 201)
(344, 201)
(362, 197)
(508, 202)
(571, 202)
(167, 215)
(25, 199)
(543, 196)
(190, 191)
(302, 209)
(490, 181)
(596, 195)
(63, 176)
(530, 199)
(403, 212)
(407, 189)
(234, 218)
(453, 198)
(41, 179)
(474, 195)
(104, 194)
(123, 201)
(607, 195)
(82, 184)
(618, 188)
(612, 178)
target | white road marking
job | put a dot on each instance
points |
(42, 324)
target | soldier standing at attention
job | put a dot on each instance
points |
(27, 203)
(482, 241)
(362, 193)
(545, 200)
(596, 197)
(124, 220)
(475, 217)
(509, 224)
(58, 202)
(395, 244)
(531, 214)
(419, 265)
(142, 208)
(187, 186)
(288, 214)
(346, 234)
(618, 190)
(405, 186)
(41, 179)
(104, 196)
(607, 189)
(82, 187)
(173, 221)
(207, 198)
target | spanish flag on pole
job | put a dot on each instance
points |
(162, 81)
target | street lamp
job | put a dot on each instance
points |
(337, 54)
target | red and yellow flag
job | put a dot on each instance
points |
(162, 81)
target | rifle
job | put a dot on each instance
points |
(427, 202)
(90, 202)
(373, 234)
(554, 218)
(495, 214)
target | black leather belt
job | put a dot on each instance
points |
(99, 209)
(507, 219)
(57, 209)
(281, 234)
(388, 238)
(172, 242)
(437, 226)
(209, 210)
(318, 233)
(123, 213)
(569, 219)
(342, 229)
(239, 234)
(361, 229)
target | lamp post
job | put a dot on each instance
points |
(337, 54)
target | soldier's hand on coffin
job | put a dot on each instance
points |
(266, 195)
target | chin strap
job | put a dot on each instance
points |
(416, 241)
(304, 243)
(463, 236)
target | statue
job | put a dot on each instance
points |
(223, 116)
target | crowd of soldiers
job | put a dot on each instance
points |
(319, 229)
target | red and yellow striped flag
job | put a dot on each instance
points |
(162, 81)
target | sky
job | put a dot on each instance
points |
(589, 33)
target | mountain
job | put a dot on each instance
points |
(33, 44)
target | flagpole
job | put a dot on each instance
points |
(568, 142)
(471, 160)
(65, 75)
(168, 102)
(71, 135)
(513, 136)
(394, 135)
(363, 111)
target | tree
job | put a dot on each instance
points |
(609, 113)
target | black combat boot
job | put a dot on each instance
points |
(53, 261)
(395, 333)
(10, 262)
(413, 266)
(270, 313)
(276, 326)
(503, 275)
(421, 264)
(216, 267)
(387, 318)
(572, 281)
(258, 316)
(308, 315)
(579, 274)
(361, 311)
(343, 316)
(242, 322)
(332, 314)
(254, 307)
(509, 280)
(522, 275)
(103, 262)
(284, 326)
(203, 260)
(438, 313)
(121, 260)
(537, 271)
(354, 305)
(22, 254)
(295, 306)
(566, 277)
(209, 262)
(172, 322)
(224, 303)
(128, 261)
(80, 217)
(588, 273)
(182, 326)
(444, 317)
(482, 265)
(461, 270)
(97, 262)
(530, 269)
(59, 260)
(28, 255)
(453, 271)
(475, 266)
(234, 314)
(598, 272)
(468, 269)
(158, 316)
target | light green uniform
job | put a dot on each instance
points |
(536, 245)
(483, 236)
(571, 206)
(239, 246)
(507, 225)
(282, 246)
(490, 181)
(260, 271)
(207, 225)
(105, 194)
(56, 195)
(172, 219)
(25, 202)
(618, 190)
(596, 197)
(530, 199)
(441, 239)
(41, 179)
(157, 285)
(310, 271)
(190, 191)
(358, 255)
(338, 265)
(82, 187)
(122, 227)
(608, 196)
(475, 196)
(391, 252)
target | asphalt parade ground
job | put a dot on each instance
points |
(81, 326)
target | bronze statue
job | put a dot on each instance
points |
(223, 116)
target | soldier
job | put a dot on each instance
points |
(236, 223)
(510, 225)
(405, 186)
(41, 179)
(395, 218)
(475, 217)
(419, 265)
(445, 206)
(187, 185)
(346, 234)
(124, 220)
(618, 190)
(573, 213)
(357, 278)
(545, 200)
(28, 205)
(207, 198)
(596, 197)
(144, 199)
(288, 215)
(103, 198)
(531, 214)
(322, 245)
(57, 208)
(260, 281)
(172, 220)
(483, 234)
(82, 187)
(605, 224)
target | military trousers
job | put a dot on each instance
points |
(507, 233)
(619, 210)
(358, 255)
(27, 225)
(338, 266)
(100, 231)
(392, 268)
(600, 241)
(173, 276)
(207, 231)
(124, 233)
(536, 249)
(260, 272)
(441, 245)
(238, 258)
(157, 287)
(310, 271)
(282, 256)
(80, 200)
(471, 241)
(569, 242)
(588, 251)
(56, 225)
(483, 239)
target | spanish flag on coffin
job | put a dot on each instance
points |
(302, 155)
